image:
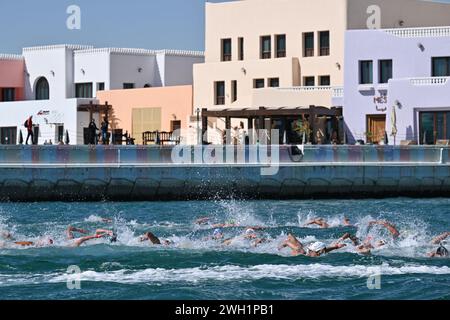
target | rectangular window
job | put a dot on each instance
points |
(226, 49)
(309, 82)
(325, 81)
(128, 85)
(441, 67)
(385, 71)
(308, 44)
(8, 135)
(241, 48)
(8, 94)
(83, 90)
(365, 72)
(219, 92)
(324, 37)
(434, 126)
(274, 82)
(258, 83)
(281, 45)
(233, 91)
(100, 86)
(266, 47)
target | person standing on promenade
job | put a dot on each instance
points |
(104, 129)
(92, 132)
(29, 125)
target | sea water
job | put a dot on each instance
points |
(196, 267)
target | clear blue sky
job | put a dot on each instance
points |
(151, 24)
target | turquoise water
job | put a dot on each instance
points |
(197, 268)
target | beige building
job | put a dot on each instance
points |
(290, 53)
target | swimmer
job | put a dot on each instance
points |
(99, 233)
(44, 242)
(322, 223)
(315, 249)
(319, 222)
(6, 235)
(442, 251)
(251, 235)
(229, 224)
(148, 236)
(202, 221)
(363, 248)
(70, 232)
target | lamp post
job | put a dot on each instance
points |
(198, 126)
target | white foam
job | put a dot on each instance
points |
(236, 273)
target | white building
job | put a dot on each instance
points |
(59, 79)
(397, 83)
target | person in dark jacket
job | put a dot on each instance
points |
(29, 126)
(92, 132)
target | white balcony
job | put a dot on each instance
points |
(429, 81)
(429, 32)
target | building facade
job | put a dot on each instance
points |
(397, 85)
(57, 85)
(289, 53)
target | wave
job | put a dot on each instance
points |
(237, 273)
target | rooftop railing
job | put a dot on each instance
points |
(432, 32)
(428, 81)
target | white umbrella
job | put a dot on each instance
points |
(394, 123)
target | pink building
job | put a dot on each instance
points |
(12, 78)
(149, 109)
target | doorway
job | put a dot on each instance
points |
(376, 128)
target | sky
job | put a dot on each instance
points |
(150, 24)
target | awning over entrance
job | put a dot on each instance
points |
(256, 118)
(95, 108)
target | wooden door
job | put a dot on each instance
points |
(376, 128)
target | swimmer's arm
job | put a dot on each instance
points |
(334, 247)
(441, 238)
(80, 241)
(103, 232)
(391, 228)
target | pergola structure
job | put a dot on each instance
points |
(259, 115)
(95, 108)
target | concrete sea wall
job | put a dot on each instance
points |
(85, 173)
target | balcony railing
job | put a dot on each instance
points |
(309, 52)
(226, 57)
(420, 32)
(266, 55)
(338, 92)
(281, 54)
(306, 88)
(324, 51)
(220, 100)
(429, 81)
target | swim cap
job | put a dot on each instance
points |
(442, 251)
(317, 246)
(250, 231)
(217, 232)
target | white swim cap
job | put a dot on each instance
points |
(317, 246)
(250, 231)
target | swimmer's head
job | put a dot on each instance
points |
(250, 232)
(442, 251)
(217, 233)
(317, 247)
(113, 238)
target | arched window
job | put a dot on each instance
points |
(42, 89)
